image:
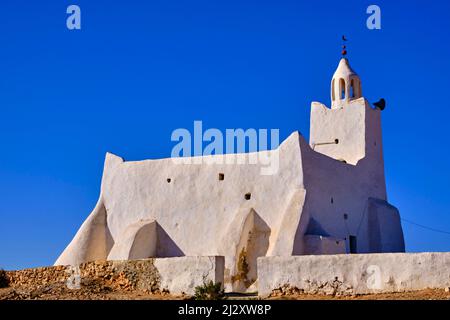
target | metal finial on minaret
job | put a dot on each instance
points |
(344, 47)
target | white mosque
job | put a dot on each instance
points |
(328, 197)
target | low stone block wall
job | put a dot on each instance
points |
(183, 274)
(179, 275)
(353, 273)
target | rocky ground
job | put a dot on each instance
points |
(139, 280)
(91, 290)
(428, 294)
(98, 281)
(97, 291)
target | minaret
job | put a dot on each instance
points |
(345, 85)
(341, 132)
(349, 131)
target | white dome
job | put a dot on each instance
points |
(344, 70)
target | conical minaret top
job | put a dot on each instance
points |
(346, 84)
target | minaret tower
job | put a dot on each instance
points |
(345, 85)
(349, 131)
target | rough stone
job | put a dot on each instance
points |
(166, 275)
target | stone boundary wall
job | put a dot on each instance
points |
(353, 273)
(178, 275)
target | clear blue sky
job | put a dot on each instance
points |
(140, 69)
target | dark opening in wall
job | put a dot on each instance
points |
(332, 200)
(169, 180)
(221, 176)
(353, 245)
(342, 88)
(248, 196)
(352, 89)
(345, 216)
(336, 141)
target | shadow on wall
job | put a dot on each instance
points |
(140, 240)
(253, 243)
(165, 246)
(315, 228)
(144, 239)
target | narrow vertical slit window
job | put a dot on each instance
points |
(342, 88)
(352, 89)
(353, 244)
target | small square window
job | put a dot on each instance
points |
(221, 176)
